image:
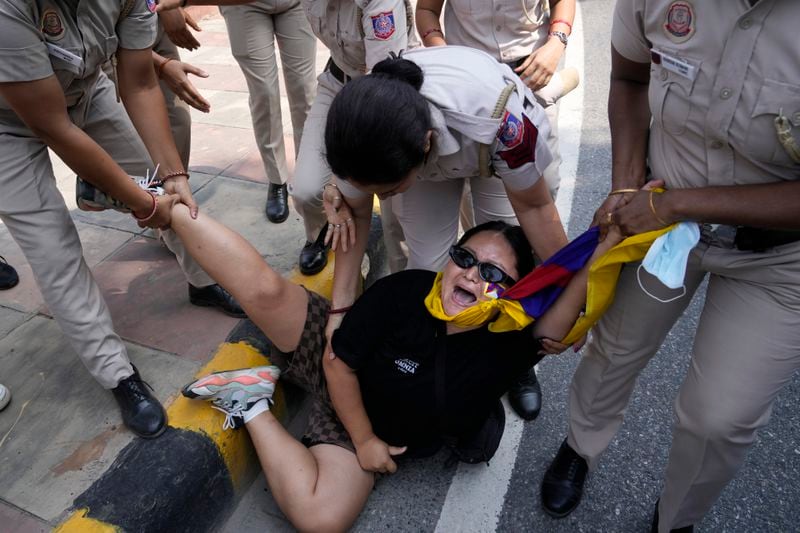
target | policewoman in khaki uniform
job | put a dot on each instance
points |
(485, 126)
(721, 82)
(253, 29)
(358, 33)
(528, 35)
(54, 94)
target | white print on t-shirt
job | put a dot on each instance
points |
(406, 366)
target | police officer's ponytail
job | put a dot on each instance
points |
(377, 127)
(401, 69)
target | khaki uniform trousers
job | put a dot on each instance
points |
(180, 118)
(312, 173)
(253, 30)
(33, 210)
(746, 348)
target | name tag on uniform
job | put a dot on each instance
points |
(65, 55)
(673, 64)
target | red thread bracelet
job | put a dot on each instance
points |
(152, 213)
(432, 30)
(557, 21)
(339, 311)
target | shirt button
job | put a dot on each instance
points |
(664, 75)
(725, 93)
(716, 145)
(498, 27)
(745, 24)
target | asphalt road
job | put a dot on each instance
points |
(621, 494)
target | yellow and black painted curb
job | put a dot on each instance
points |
(190, 477)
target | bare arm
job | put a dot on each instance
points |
(539, 67)
(427, 17)
(41, 106)
(145, 105)
(539, 218)
(347, 268)
(629, 120)
(175, 75)
(373, 454)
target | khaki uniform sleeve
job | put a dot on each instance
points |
(627, 31)
(137, 31)
(385, 28)
(23, 53)
(520, 151)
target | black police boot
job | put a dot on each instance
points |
(525, 396)
(654, 525)
(277, 203)
(8, 276)
(314, 255)
(141, 412)
(562, 485)
(216, 296)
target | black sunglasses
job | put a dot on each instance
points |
(463, 258)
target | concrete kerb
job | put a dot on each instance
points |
(191, 477)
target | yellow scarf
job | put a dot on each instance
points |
(601, 285)
(512, 316)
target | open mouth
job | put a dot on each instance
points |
(463, 297)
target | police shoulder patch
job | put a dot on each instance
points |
(151, 5)
(383, 25)
(511, 131)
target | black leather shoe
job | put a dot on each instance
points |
(654, 525)
(8, 276)
(216, 296)
(277, 203)
(141, 412)
(562, 485)
(314, 255)
(525, 396)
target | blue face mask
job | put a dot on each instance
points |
(667, 257)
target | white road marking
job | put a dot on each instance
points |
(475, 497)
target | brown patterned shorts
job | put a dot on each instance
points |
(305, 371)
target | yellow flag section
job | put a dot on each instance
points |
(603, 275)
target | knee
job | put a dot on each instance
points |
(718, 421)
(318, 522)
(306, 189)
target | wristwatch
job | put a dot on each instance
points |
(561, 36)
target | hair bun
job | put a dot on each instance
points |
(401, 69)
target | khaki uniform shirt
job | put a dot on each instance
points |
(359, 33)
(500, 27)
(462, 86)
(721, 72)
(89, 31)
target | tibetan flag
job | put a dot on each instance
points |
(538, 290)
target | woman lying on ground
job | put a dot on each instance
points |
(377, 398)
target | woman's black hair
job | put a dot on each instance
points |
(515, 238)
(377, 125)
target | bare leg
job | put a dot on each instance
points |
(277, 306)
(318, 489)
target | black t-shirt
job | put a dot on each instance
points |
(390, 339)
